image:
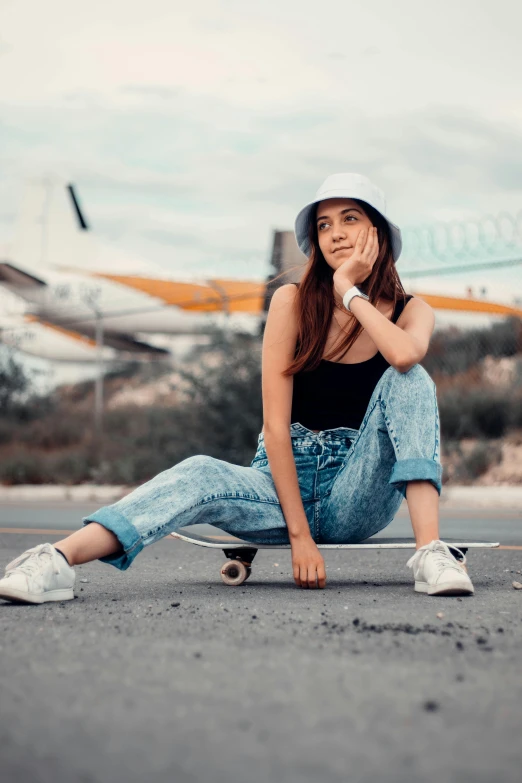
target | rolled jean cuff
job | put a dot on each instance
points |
(405, 470)
(124, 531)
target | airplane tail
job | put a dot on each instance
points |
(51, 231)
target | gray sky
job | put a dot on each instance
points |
(192, 130)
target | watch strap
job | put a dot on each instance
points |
(349, 295)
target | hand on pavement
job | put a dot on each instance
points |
(308, 563)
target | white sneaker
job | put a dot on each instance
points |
(438, 572)
(39, 574)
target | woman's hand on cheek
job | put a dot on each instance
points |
(358, 267)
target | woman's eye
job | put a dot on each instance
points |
(347, 217)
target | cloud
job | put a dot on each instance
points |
(204, 130)
(447, 144)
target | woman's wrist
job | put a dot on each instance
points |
(299, 535)
(342, 286)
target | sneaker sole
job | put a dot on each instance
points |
(18, 596)
(447, 589)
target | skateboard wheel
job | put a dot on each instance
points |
(234, 572)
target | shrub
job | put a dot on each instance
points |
(56, 431)
(71, 468)
(474, 414)
(480, 458)
(221, 417)
(516, 413)
(25, 469)
(14, 381)
(9, 430)
(454, 350)
(491, 413)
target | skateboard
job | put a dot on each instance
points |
(240, 554)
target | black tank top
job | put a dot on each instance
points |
(337, 394)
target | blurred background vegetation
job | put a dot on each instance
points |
(156, 416)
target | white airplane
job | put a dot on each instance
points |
(76, 289)
(73, 285)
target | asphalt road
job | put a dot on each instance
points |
(162, 673)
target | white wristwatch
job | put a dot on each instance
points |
(349, 295)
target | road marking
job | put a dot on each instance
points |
(509, 547)
(30, 531)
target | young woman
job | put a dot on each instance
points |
(350, 424)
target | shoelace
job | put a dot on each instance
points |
(443, 559)
(29, 561)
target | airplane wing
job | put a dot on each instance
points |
(213, 295)
(38, 337)
(124, 342)
(11, 275)
(120, 342)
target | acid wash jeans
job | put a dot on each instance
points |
(352, 481)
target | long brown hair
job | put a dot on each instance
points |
(315, 298)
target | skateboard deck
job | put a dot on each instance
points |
(241, 553)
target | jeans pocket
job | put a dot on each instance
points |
(260, 458)
(259, 463)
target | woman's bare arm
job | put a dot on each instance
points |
(279, 343)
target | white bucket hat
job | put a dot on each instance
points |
(346, 186)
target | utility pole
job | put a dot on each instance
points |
(225, 300)
(90, 297)
(98, 388)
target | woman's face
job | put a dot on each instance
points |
(339, 221)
